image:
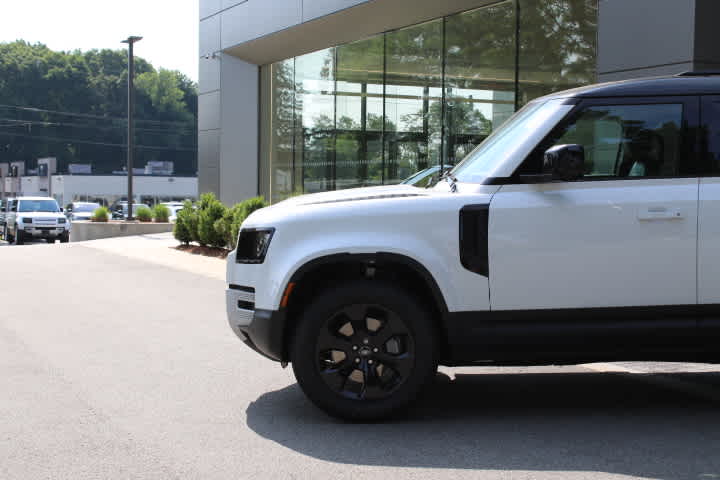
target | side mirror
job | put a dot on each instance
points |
(565, 162)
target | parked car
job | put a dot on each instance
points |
(174, 207)
(35, 217)
(80, 210)
(427, 177)
(586, 228)
(120, 210)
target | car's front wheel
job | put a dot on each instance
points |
(364, 350)
(19, 237)
(65, 237)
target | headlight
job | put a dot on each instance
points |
(253, 244)
(61, 220)
(27, 220)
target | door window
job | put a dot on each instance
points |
(711, 121)
(623, 141)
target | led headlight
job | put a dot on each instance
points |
(27, 220)
(253, 244)
(61, 220)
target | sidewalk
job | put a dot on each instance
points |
(159, 249)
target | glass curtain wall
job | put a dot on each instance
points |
(378, 110)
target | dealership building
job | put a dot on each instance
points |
(312, 95)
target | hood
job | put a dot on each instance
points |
(40, 215)
(354, 195)
(82, 214)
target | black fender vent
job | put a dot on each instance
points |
(474, 221)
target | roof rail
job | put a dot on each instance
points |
(699, 73)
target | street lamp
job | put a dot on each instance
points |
(131, 127)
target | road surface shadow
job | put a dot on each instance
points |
(594, 422)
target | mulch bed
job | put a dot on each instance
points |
(207, 251)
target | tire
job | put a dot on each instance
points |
(375, 367)
(8, 238)
(65, 238)
(20, 237)
(51, 240)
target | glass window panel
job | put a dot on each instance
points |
(359, 113)
(628, 140)
(558, 44)
(315, 120)
(282, 100)
(413, 100)
(479, 76)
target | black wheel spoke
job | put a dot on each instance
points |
(364, 352)
(334, 378)
(329, 341)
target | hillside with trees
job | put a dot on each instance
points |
(73, 106)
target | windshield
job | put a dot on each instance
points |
(511, 142)
(38, 206)
(86, 207)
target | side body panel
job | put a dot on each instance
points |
(618, 243)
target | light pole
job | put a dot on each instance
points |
(131, 127)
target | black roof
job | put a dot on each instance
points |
(686, 84)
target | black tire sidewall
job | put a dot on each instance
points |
(416, 318)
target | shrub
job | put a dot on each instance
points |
(161, 213)
(100, 214)
(210, 210)
(186, 223)
(227, 225)
(240, 212)
(144, 214)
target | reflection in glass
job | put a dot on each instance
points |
(359, 113)
(378, 110)
(282, 128)
(413, 96)
(479, 76)
(558, 43)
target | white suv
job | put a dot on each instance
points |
(586, 228)
(35, 217)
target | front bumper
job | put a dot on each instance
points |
(261, 330)
(44, 231)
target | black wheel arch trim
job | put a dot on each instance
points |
(378, 259)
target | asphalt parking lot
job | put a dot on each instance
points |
(112, 366)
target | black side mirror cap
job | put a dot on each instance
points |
(565, 162)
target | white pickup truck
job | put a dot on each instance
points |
(35, 217)
(586, 228)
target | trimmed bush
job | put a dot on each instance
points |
(100, 214)
(244, 209)
(161, 213)
(186, 221)
(210, 210)
(227, 225)
(144, 214)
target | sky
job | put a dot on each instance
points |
(169, 27)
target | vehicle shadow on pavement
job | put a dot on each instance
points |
(595, 422)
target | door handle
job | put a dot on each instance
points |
(659, 213)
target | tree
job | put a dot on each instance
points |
(73, 106)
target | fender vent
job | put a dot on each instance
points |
(474, 238)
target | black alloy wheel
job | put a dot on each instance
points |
(364, 350)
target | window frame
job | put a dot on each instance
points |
(704, 128)
(689, 131)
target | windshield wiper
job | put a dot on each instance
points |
(450, 178)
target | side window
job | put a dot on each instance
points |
(711, 122)
(628, 140)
